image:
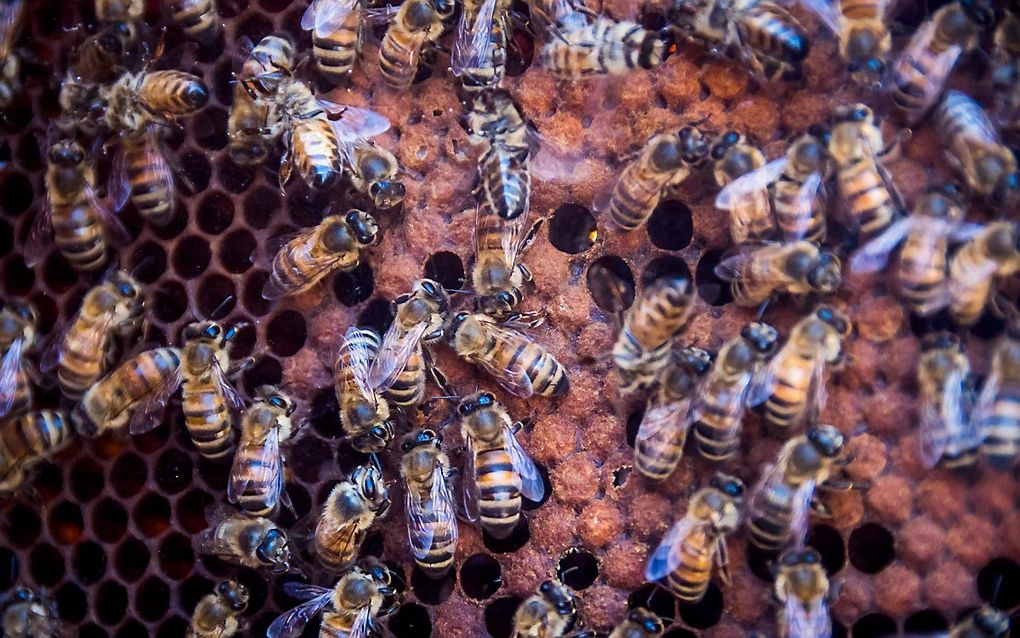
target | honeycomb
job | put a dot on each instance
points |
(109, 527)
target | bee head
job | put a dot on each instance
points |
(421, 438)
(387, 193)
(827, 440)
(272, 396)
(1007, 189)
(762, 336)
(420, 15)
(725, 142)
(363, 225)
(203, 331)
(825, 276)
(1002, 241)
(435, 292)
(234, 594)
(992, 621)
(559, 597)
(472, 403)
(693, 145)
(864, 50)
(979, 12)
(66, 152)
(731, 486)
(834, 318)
(646, 620)
(273, 550)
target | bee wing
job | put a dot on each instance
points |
(116, 231)
(748, 185)
(353, 122)
(983, 407)
(763, 382)
(666, 421)
(962, 231)
(811, 621)
(40, 236)
(874, 255)
(521, 236)
(771, 475)
(474, 40)
(514, 379)
(799, 511)
(9, 368)
(936, 74)
(735, 396)
(222, 383)
(731, 267)
(469, 485)
(291, 624)
(118, 186)
(155, 154)
(396, 349)
(243, 48)
(95, 333)
(826, 12)
(818, 393)
(327, 16)
(148, 415)
(268, 458)
(668, 554)
(360, 359)
(362, 624)
(532, 487)
(312, 267)
(422, 521)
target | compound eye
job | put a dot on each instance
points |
(277, 402)
(429, 287)
(731, 138)
(406, 446)
(875, 65)
(546, 587)
(505, 297)
(860, 114)
(651, 626)
(212, 331)
(402, 299)
(464, 409)
(461, 316)
(486, 399)
(825, 314)
(127, 290)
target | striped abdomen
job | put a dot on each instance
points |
(921, 271)
(720, 408)
(108, 403)
(509, 350)
(315, 151)
(336, 52)
(440, 555)
(1000, 428)
(771, 516)
(969, 284)
(861, 9)
(291, 272)
(260, 477)
(966, 133)
(770, 30)
(172, 92)
(505, 180)
(79, 236)
(658, 455)
(207, 417)
(399, 50)
(198, 18)
(488, 73)
(785, 407)
(335, 547)
(151, 187)
(602, 47)
(31, 438)
(499, 491)
(871, 204)
(409, 387)
(796, 218)
(636, 195)
(689, 581)
(22, 401)
(81, 357)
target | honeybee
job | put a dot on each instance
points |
(250, 126)
(198, 19)
(497, 472)
(28, 614)
(504, 177)
(337, 34)
(664, 163)
(256, 476)
(948, 437)
(98, 59)
(759, 272)
(207, 397)
(992, 254)
(856, 148)
(973, 148)
(600, 45)
(142, 172)
(665, 423)
(922, 270)
(137, 100)
(802, 593)
(351, 508)
(11, 18)
(499, 276)
(248, 142)
(216, 614)
(83, 352)
(750, 210)
(244, 539)
(763, 35)
(986, 622)
(793, 384)
(520, 365)
(309, 256)
(717, 410)
(864, 38)
(479, 52)
(29, 439)
(129, 13)
(920, 72)
(428, 503)
(549, 613)
(364, 411)
(779, 504)
(1005, 72)
(18, 333)
(109, 404)
(374, 172)
(696, 544)
(640, 623)
(997, 411)
(416, 27)
(361, 595)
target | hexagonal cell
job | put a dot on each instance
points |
(176, 557)
(871, 548)
(87, 479)
(577, 568)
(89, 562)
(286, 333)
(109, 520)
(152, 599)
(481, 576)
(191, 256)
(128, 475)
(611, 283)
(72, 603)
(447, 268)
(131, 559)
(410, 621)
(22, 525)
(237, 251)
(151, 514)
(173, 471)
(66, 523)
(46, 564)
(670, 227)
(215, 213)
(572, 229)
(499, 615)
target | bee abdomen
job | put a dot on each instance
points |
(79, 237)
(150, 191)
(336, 53)
(197, 18)
(506, 182)
(689, 581)
(770, 528)
(316, 152)
(396, 54)
(173, 92)
(260, 480)
(1001, 428)
(499, 496)
(80, 362)
(771, 30)
(788, 399)
(409, 387)
(714, 435)
(635, 196)
(658, 456)
(208, 421)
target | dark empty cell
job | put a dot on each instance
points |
(572, 229)
(28, 150)
(838, 629)
(920, 326)
(191, 256)
(58, 275)
(274, 6)
(89, 562)
(22, 525)
(351, 287)
(197, 168)
(92, 631)
(706, 613)
(252, 298)
(210, 128)
(65, 523)
(6, 238)
(679, 632)
(499, 616)
(152, 515)
(172, 229)
(760, 562)
(266, 371)
(18, 115)
(46, 564)
(410, 621)
(258, 588)
(516, 540)
(132, 629)
(237, 251)
(713, 290)
(175, 626)
(300, 499)
(173, 471)
(432, 591)
(233, 177)
(109, 520)
(192, 591)
(446, 268)
(176, 557)
(131, 560)
(872, 548)
(223, 80)
(988, 326)
(169, 301)
(665, 266)
(924, 622)
(378, 314)
(348, 458)
(655, 599)
(480, 576)
(152, 599)
(191, 510)
(286, 333)
(670, 226)
(526, 503)
(215, 213)
(998, 583)
(128, 475)
(86, 479)
(873, 626)
(308, 457)
(578, 568)
(255, 27)
(46, 311)
(621, 475)
(260, 205)
(9, 568)
(324, 413)
(214, 472)
(306, 206)
(829, 544)
(48, 481)
(216, 297)
(18, 278)
(156, 438)
(15, 193)
(72, 603)
(148, 262)
(611, 283)
(520, 52)
(633, 425)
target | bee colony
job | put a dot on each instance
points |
(525, 319)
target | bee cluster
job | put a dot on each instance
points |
(253, 328)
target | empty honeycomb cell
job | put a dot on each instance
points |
(197, 168)
(191, 510)
(447, 268)
(233, 177)
(655, 599)
(152, 599)
(351, 287)
(254, 26)
(65, 523)
(92, 631)
(924, 622)
(177, 224)
(432, 591)
(215, 298)
(309, 457)
(15, 193)
(258, 588)
(18, 278)
(210, 128)
(665, 266)
(191, 256)
(260, 205)
(18, 114)
(47, 481)
(998, 583)
(410, 621)
(874, 626)
(871, 548)
(572, 229)
(516, 540)
(705, 613)
(156, 438)
(192, 590)
(670, 227)
(109, 520)
(237, 251)
(151, 514)
(173, 471)
(308, 207)
(47, 312)
(611, 283)
(176, 557)
(10, 568)
(58, 275)
(132, 629)
(131, 559)
(46, 564)
(244, 340)
(251, 295)
(26, 531)
(286, 333)
(266, 371)
(174, 627)
(148, 262)
(128, 475)
(679, 632)
(72, 603)
(89, 562)
(29, 155)
(712, 290)
(348, 458)
(378, 315)
(169, 301)
(323, 413)
(578, 568)
(481, 576)
(6, 238)
(215, 213)
(829, 544)
(499, 616)
(634, 424)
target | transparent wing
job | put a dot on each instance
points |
(242, 51)
(799, 511)
(731, 266)
(279, 284)
(763, 383)
(874, 255)
(118, 186)
(772, 475)
(422, 519)
(149, 414)
(268, 460)
(327, 16)
(983, 407)
(469, 484)
(810, 622)
(362, 624)
(222, 383)
(532, 487)
(824, 11)
(473, 45)
(352, 122)
(818, 393)
(749, 184)
(359, 359)
(962, 231)
(397, 347)
(514, 379)
(96, 333)
(665, 421)
(40, 236)
(9, 369)
(668, 554)
(156, 158)
(729, 398)
(291, 624)
(805, 197)
(115, 230)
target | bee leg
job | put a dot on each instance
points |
(763, 307)
(529, 239)
(723, 560)
(526, 422)
(820, 509)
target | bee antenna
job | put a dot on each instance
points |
(223, 304)
(376, 462)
